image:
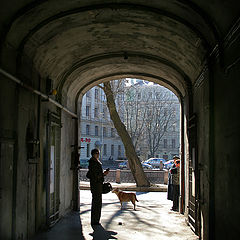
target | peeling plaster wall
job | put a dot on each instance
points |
(66, 176)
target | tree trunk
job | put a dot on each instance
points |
(133, 160)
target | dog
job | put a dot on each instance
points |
(125, 197)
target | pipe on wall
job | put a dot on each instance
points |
(11, 77)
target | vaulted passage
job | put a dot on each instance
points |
(52, 52)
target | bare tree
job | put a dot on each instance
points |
(134, 162)
(149, 115)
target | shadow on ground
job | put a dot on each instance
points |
(100, 233)
(69, 227)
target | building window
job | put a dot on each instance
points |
(139, 96)
(104, 132)
(105, 149)
(112, 132)
(87, 129)
(87, 111)
(173, 143)
(96, 130)
(88, 94)
(119, 151)
(158, 95)
(96, 112)
(96, 94)
(165, 143)
(88, 150)
(112, 150)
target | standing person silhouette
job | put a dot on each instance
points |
(175, 172)
(96, 176)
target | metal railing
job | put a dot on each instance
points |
(154, 176)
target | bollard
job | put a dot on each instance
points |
(165, 176)
(161, 165)
(118, 176)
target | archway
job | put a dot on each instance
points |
(79, 45)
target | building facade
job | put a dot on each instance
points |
(97, 129)
(156, 129)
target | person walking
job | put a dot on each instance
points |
(96, 176)
(175, 173)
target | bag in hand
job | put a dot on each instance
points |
(107, 187)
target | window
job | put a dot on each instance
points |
(119, 150)
(96, 130)
(96, 94)
(173, 143)
(112, 132)
(104, 131)
(158, 95)
(165, 143)
(105, 149)
(174, 127)
(96, 112)
(87, 129)
(88, 150)
(112, 150)
(139, 96)
(88, 94)
(87, 111)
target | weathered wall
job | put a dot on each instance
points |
(23, 182)
(201, 108)
(7, 154)
(226, 132)
(66, 174)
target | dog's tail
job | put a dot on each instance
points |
(136, 198)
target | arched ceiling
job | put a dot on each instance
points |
(78, 42)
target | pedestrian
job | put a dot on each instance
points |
(170, 184)
(175, 173)
(96, 176)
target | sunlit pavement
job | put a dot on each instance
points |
(152, 219)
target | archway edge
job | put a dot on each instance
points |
(86, 74)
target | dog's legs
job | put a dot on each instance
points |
(134, 205)
(121, 205)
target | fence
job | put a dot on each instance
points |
(125, 176)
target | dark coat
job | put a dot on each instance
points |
(170, 187)
(95, 174)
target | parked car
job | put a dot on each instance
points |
(155, 162)
(83, 163)
(168, 164)
(146, 166)
(122, 165)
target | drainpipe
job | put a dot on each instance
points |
(11, 77)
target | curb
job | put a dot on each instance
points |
(159, 188)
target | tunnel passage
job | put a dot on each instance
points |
(78, 44)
